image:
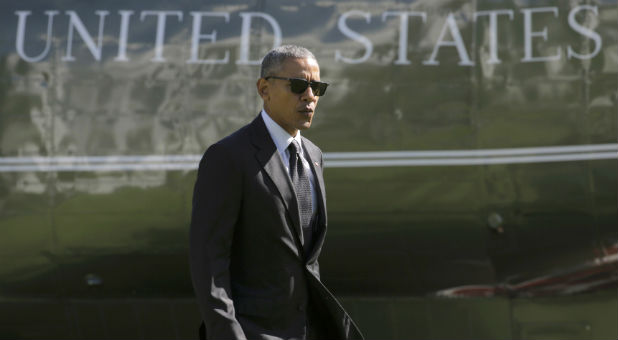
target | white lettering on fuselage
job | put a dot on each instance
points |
(534, 38)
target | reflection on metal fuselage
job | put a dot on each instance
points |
(471, 160)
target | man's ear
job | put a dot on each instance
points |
(262, 88)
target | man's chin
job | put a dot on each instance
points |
(304, 126)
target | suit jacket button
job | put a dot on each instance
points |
(300, 307)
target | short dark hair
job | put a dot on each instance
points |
(274, 58)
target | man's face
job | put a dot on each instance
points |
(291, 111)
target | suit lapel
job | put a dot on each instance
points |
(268, 156)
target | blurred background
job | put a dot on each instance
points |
(471, 160)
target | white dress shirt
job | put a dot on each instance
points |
(282, 140)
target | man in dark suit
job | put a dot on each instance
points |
(259, 218)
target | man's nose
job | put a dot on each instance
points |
(308, 95)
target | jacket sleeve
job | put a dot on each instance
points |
(216, 205)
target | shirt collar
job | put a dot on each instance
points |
(281, 137)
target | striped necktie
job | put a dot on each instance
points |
(303, 192)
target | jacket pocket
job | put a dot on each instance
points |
(255, 306)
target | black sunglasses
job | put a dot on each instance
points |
(299, 85)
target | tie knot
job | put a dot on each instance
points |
(294, 147)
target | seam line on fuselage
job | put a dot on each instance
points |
(331, 159)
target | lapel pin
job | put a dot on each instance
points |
(316, 163)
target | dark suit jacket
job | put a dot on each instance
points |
(250, 274)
